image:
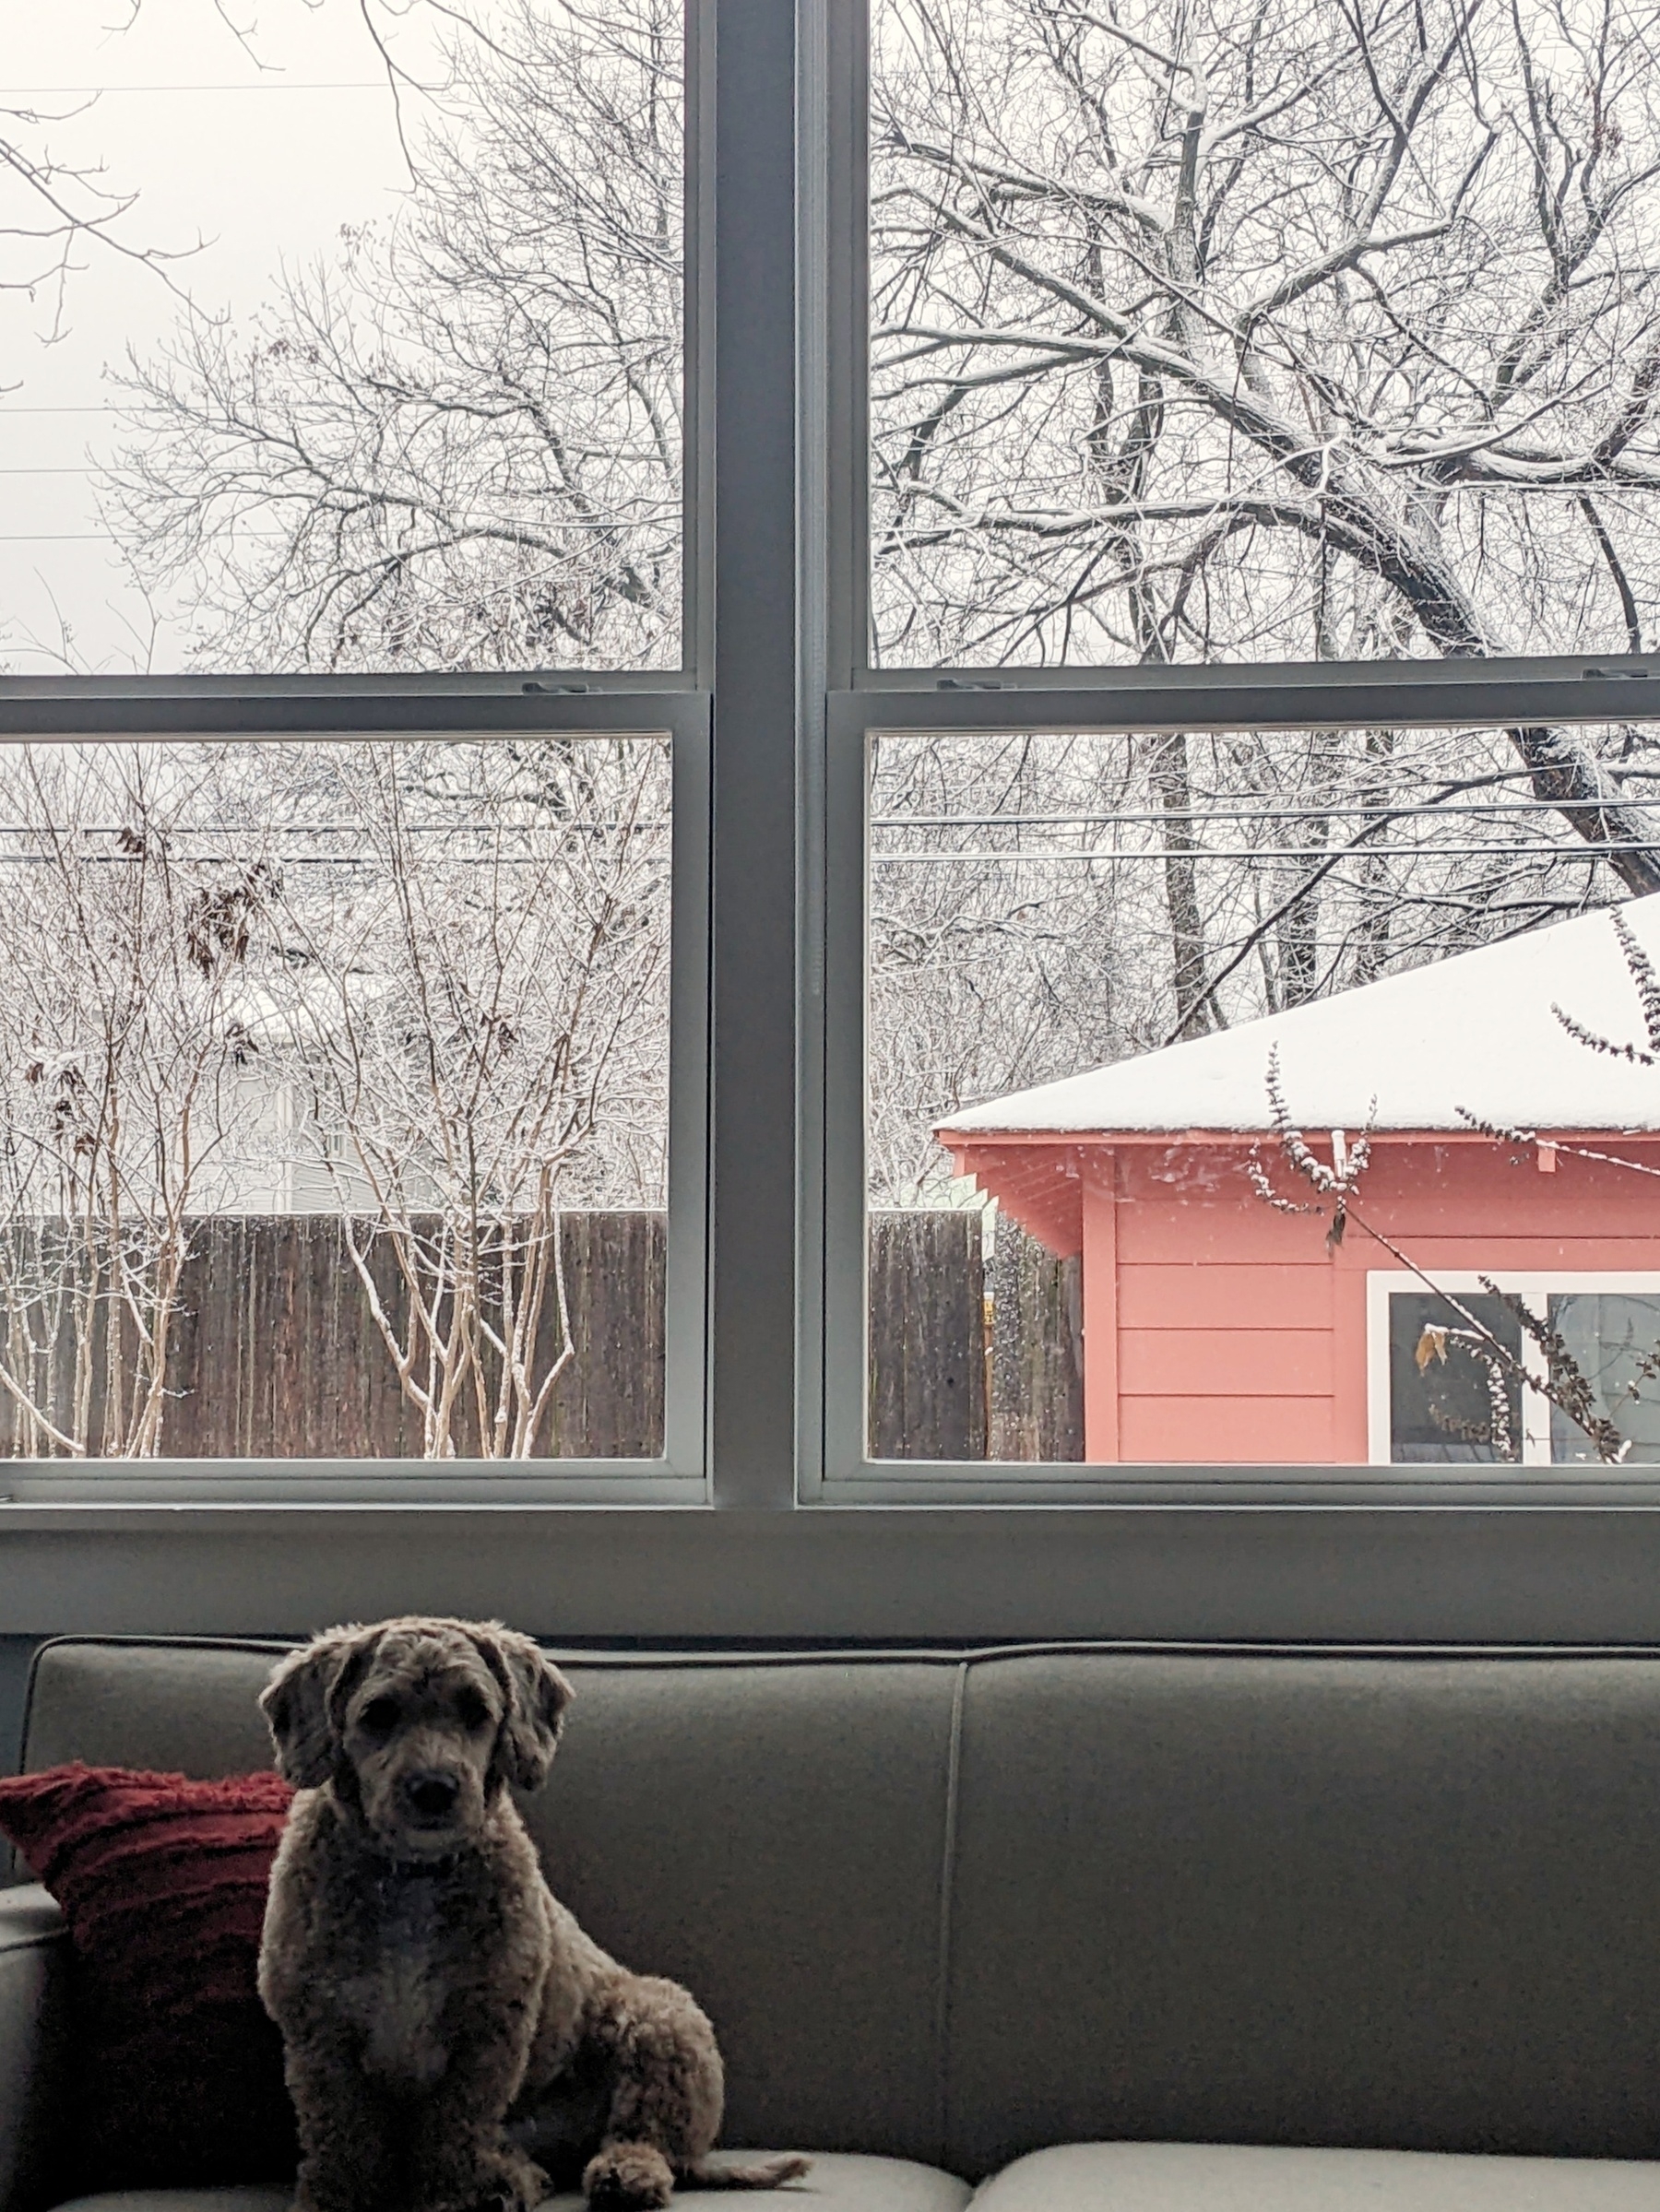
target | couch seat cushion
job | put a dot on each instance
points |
(1228, 2177)
(839, 2183)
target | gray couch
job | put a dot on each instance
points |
(1076, 1927)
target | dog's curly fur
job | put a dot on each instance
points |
(442, 2015)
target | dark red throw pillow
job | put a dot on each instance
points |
(177, 2070)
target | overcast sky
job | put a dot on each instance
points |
(257, 151)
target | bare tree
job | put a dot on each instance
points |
(423, 988)
(459, 445)
(117, 1071)
(1208, 331)
(56, 214)
(474, 1016)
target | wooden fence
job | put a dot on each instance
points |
(969, 1360)
(275, 1353)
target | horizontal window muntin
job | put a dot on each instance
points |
(382, 1212)
(1192, 700)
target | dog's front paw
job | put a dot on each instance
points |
(519, 2186)
(514, 2183)
(628, 2177)
(503, 2181)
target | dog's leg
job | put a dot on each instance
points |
(459, 2158)
(666, 2090)
(348, 2155)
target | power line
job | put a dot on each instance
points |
(352, 860)
(549, 824)
(1334, 809)
(366, 84)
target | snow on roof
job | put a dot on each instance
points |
(1476, 1032)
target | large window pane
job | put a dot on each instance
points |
(1452, 1401)
(341, 337)
(1262, 1097)
(334, 1098)
(1612, 1337)
(1262, 331)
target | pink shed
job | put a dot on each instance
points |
(1218, 1328)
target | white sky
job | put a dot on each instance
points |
(264, 155)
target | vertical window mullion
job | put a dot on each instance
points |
(754, 882)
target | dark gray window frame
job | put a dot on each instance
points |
(859, 699)
(1286, 697)
(93, 709)
(773, 641)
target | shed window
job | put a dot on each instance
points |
(1451, 1400)
(1611, 1336)
(1518, 1370)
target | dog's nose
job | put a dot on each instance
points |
(431, 1793)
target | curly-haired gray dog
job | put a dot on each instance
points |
(429, 1986)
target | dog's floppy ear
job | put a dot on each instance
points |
(537, 1695)
(303, 1702)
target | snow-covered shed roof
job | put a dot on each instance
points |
(1478, 1032)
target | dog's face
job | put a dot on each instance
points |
(417, 1724)
(418, 1737)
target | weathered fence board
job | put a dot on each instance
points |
(1037, 1349)
(928, 1337)
(969, 1360)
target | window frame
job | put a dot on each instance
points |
(861, 699)
(93, 710)
(1536, 1285)
(675, 703)
(775, 324)
(834, 1465)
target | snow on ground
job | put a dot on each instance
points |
(1476, 1032)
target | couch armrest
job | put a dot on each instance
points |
(33, 1957)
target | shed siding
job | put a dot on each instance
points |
(1216, 1327)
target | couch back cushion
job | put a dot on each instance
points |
(772, 1834)
(957, 1908)
(1409, 1902)
(177, 1708)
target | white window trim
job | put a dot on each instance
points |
(1535, 1286)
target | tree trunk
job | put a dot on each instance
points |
(1167, 771)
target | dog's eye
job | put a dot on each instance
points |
(379, 1716)
(472, 1709)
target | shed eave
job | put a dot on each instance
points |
(965, 1140)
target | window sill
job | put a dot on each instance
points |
(1493, 1573)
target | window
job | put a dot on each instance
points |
(1222, 840)
(353, 845)
(344, 340)
(1444, 1391)
(1171, 1038)
(1259, 332)
(335, 1083)
(1077, 599)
